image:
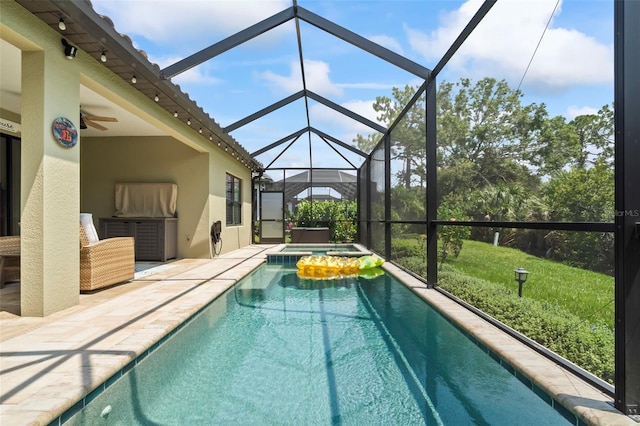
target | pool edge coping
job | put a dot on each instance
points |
(590, 406)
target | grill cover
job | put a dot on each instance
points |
(146, 199)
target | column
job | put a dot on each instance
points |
(50, 190)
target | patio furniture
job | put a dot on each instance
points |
(9, 259)
(146, 211)
(156, 237)
(104, 262)
(309, 235)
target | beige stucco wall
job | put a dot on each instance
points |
(49, 172)
(107, 161)
(233, 237)
(201, 179)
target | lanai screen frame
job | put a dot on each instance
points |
(626, 227)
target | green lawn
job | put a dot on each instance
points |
(588, 295)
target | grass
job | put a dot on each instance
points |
(588, 295)
(566, 309)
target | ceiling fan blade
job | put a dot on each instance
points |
(94, 125)
(99, 118)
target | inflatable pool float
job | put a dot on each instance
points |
(328, 267)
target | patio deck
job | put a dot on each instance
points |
(48, 364)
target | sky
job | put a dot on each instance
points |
(556, 52)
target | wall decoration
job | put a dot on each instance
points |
(65, 132)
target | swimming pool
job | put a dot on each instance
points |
(273, 350)
(317, 247)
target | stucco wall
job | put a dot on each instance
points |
(233, 237)
(200, 178)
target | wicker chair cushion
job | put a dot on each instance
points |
(86, 220)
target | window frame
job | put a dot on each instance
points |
(233, 198)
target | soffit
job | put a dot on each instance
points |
(93, 34)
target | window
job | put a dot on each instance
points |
(234, 203)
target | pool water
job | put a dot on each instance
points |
(274, 350)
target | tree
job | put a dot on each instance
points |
(501, 160)
(451, 237)
(594, 142)
(550, 147)
(504, 203)
(407, 138)
(408, 203)
(582, 194)
(582, 142)
(486, 126)
(482, 126)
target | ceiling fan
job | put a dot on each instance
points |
(90, 120)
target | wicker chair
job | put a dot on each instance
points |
(9, 259)
(106, 262)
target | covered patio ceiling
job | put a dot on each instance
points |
(95, 34)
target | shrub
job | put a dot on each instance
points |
(451, 237)
(407, 248)
(417, 265)
(588, 345)
(339, 216)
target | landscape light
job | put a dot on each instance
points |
(521, 277)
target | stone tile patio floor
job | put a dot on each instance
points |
(48, 364)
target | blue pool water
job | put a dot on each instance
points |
(278, 350)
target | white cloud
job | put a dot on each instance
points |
(388, 42)
(343, 127)
(503, 43)
(574, 111)
(200, 75)
(365, 109)
(174, 22)
(369, 86)
(195, 76)
(316, 77)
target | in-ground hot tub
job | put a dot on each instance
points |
(291, 253)
(309, 235)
